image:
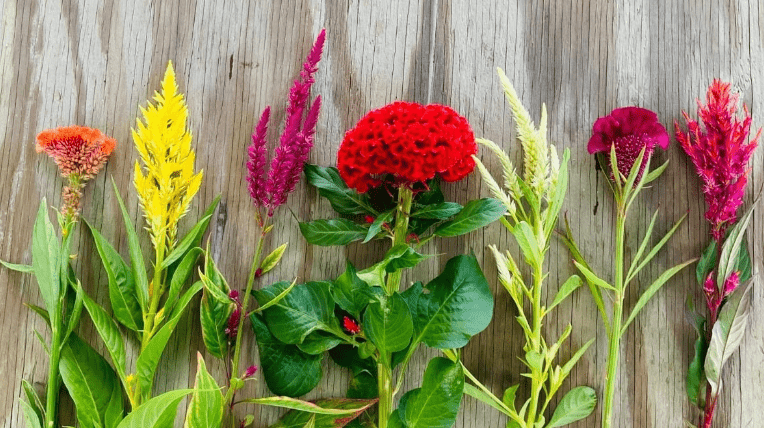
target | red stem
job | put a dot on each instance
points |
(708, 411)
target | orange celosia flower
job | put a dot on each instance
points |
(76, 149)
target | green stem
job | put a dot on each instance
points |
(385, 387)
(53, 378)
(614, 335)
(405, 199)
(155, 292)
(244, 304)
(536, 374)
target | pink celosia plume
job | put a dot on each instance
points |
(720, 154)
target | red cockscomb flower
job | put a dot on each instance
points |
(408, 141)
(720, 154)
(76, 149)
(630, 129)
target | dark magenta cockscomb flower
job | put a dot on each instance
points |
(720, 154)
(295, 143)
(629, 129)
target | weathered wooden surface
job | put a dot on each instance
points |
(93, 62)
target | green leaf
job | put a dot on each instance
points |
(634, 271)
(271, 260)
(332, 232)
(436, 403)
(592, 278)
(180, 276)
(363, 384)
(654, 174)
(695, 375)
(388, 324)
(91, 382)
(534, 360)
(287, 370)
(398, 257)
(34, 404)
(438, 211)
(577, 404)
(553, 211)
(213, 315)
(459, 305)
(277, 299)
(509, 397)
(122, 293)
(331, 186)
(316, 412)
(158, 412)
(568, 287)
(319, 342)
(574, 359)
(484, 398)
(46, 258)
(350, 292)
(475, 215)
(39, 311)
(744, 262)
(732, 244)
(193, 238)
(206, 407)
(307, 308)
(148, 359)
(109, 332)
(376, 226)
(17, 267)
(31, 418)
(727, 334)
(707, 263)
(136, 256)
(528, 243)
(433, 194)
(652, 289)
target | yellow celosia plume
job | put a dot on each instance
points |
(164, 143)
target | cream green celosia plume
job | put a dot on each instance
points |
(166, 183)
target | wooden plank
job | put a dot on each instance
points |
(94, 62)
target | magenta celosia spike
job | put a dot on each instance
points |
(720, 154)
(297, 138)
(731, 283)
(257, 159)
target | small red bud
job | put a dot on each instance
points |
(351, 325)
(731, 283)
(369, 219)
(259, 272)
(251, 370)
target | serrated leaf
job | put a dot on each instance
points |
(458, 306)
(122, 293)
(577, 404)
(205, 410)
(475, 215)
(388, 324)
(158, 412)
(436, 403)
(437, 211)
(46, 258)
(307, 308)
(91, 382)
(287, 370)
(331, 186)
(271, 260)
(136, 256)
(332, 232)
(727, 334)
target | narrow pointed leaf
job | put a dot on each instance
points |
(158, 412)
(193, 238)
(568, 287)
(484, 398)
(331, 186)
(438, 211)
(654, 251)
(46, 258)
(594, 279)
(109, 332)
(136, 256)
(332, 232)
(696, 377)
(18, 267)
(376, 226)
(271, 260)
(731, 247)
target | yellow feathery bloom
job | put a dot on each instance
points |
(166, 183)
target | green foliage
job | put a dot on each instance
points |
(436, 403)
(158, 412)
(140, 279)
(332, 232)
(205, 410)
(475, 215)
(398, 257)
(327, 413)
(388, 324)
(215, 309)
(46, 259)
(577, 404)
(350, 292)
(331, 186)
(271, 260)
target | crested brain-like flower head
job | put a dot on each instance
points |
(629, 129)
(169, 182)
(76, 149)
(720, 154)
(410, 142)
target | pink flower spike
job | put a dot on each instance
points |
(709, 286)
(629, 129)
(720, 154)
(257, 159)
(232, 329)
(731, 283)
(251, 370)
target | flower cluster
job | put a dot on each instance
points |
(629, 129)
(409, 141)
(79, 152)
(720, 154)
(295, 143)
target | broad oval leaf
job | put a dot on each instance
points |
(307, 308)
(331, 186)
(287, 370)
(319, 342)
(458, 306)
(473, 216)
(206, 407)
(46, 260)
(332, 232)
(388, 324)
(92, 384)
(436, 403)
(577, 404)
(122, 295)
(158, 412)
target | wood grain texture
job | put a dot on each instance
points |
(93, 62)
